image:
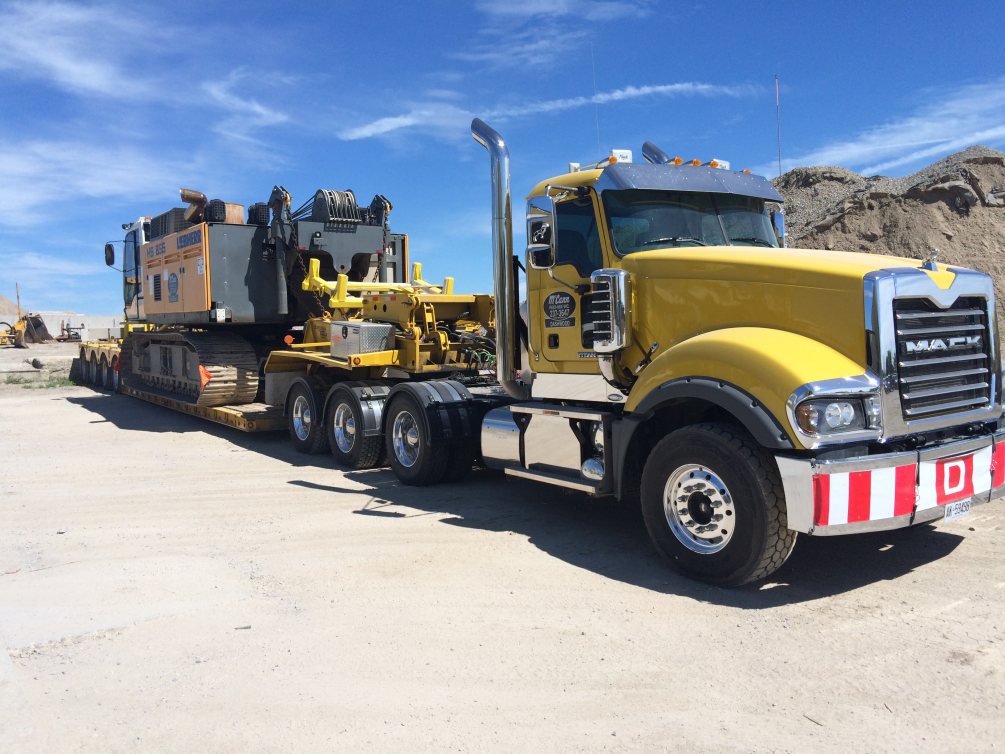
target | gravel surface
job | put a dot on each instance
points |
(169, 585)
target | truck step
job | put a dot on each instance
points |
(559, 480)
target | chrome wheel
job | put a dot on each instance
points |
(345, 428)
(302, 417)
(699, 509)
(405, 439)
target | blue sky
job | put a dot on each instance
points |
(106, 109)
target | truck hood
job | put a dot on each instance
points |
(687, 291)
(803, 267)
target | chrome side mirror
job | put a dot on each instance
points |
(540, 233)
(778, 223)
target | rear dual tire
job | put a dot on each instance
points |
(345, 427)
(411, 451)
(304, 419)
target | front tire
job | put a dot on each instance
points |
(304, 419)
(713, 505)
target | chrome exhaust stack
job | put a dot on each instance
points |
(504, 277)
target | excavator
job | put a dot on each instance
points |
(215, 290)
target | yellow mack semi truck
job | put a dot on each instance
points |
(670, 353)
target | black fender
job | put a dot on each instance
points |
(370, 399)
(314, 385)
(747, 410)
(454, 415)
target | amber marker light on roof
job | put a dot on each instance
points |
(713, 164)
(677, 161)
(745, 170)
(695, 162)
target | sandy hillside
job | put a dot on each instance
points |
(956, 205)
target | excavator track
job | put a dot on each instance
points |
(204, 369)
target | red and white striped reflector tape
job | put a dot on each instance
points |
(853, 496)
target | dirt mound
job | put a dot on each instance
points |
(956, 205)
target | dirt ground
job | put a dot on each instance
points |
(166, 584)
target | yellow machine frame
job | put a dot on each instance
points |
(415, 308)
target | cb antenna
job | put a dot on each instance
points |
(596, 105)
(778, 126)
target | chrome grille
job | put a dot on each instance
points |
(943, 356)
(601, 311)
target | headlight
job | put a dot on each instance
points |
(830, 416)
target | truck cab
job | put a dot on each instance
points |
(593, 219)
(677, 355)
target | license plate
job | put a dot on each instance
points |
(956, 511)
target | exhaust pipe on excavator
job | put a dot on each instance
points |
(504, 275)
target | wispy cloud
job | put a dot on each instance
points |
(31, 263)
(589, 10)
(43, 173)
(539, 32)
(445, 120)
(435, 118)
(47, 281)
(946, 123)
(243, 115)
(78, 48)
(683, 88)
(527, 48)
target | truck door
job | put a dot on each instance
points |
(555, 302)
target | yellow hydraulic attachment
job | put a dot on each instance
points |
(434, 328)
(341, 290)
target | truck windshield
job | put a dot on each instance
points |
(643, 219)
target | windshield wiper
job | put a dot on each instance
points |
(674, 240)
(755, 241)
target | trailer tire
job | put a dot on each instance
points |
(713, 505)
(103, 378)
(304, 418)
(344, 424)
(92, 371)
(113, 373)
(407, 440)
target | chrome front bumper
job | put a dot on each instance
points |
(892, 490)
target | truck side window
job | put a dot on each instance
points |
(578, 242)
(129, 256)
